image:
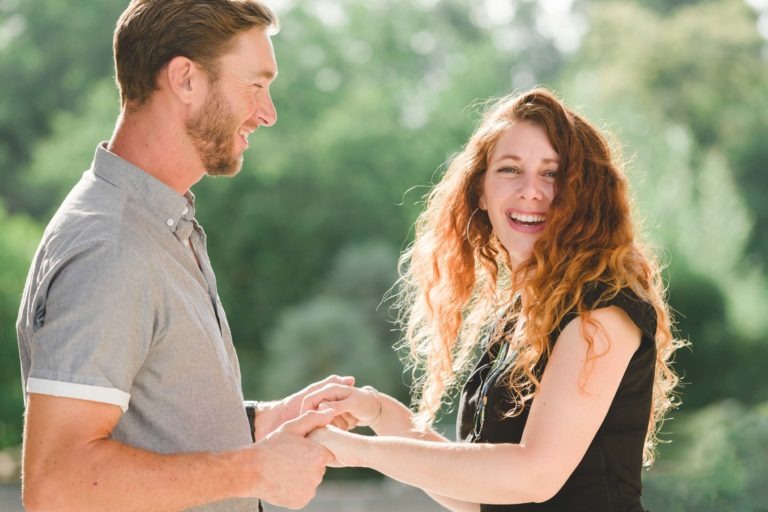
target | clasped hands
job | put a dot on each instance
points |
(342, 407)
(351, 407)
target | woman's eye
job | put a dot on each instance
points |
(550, 174)
(508, 170)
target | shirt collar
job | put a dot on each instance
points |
(175, 211)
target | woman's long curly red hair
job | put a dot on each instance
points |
(456, 275)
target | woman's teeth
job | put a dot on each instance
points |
(527, 218)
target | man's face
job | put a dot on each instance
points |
(237, 103)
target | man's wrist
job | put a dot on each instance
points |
(252, 408)
(264, 420)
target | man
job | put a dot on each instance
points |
(133, 397)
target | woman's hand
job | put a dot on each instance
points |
(273, 414)
(344, 446)
(352, 406)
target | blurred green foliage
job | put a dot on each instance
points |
(373, 98)
(18, 237)
(718, 462)
(342, 327)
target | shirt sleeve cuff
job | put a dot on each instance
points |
(106, 395)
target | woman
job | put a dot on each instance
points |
(526, 251)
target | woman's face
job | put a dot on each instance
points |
(518, 187)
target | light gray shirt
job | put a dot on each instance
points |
(117, 309)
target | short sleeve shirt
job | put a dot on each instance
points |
(117, 309)
(608, 477)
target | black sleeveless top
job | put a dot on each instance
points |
(608, 477)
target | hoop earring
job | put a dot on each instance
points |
(469, 221)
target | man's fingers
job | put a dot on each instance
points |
(309, 421)
(346, 380)
(328, 393)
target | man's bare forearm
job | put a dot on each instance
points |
(72, 463)
(107, 475)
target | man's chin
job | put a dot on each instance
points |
(225, 169)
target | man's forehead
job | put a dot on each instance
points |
(254, 52)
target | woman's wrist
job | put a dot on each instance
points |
(377, 396)
(357, 449)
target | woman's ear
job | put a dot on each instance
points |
(481, 202)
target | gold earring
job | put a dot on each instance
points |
(469, 221)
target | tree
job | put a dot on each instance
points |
(718, 462)
(339, 330)
(18, 238)
(676, 86)
(59, 160)
(50, 53)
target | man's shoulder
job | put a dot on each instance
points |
(93, 213)
(94, 224)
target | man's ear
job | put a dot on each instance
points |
(185, 79)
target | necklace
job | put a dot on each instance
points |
(499, 364)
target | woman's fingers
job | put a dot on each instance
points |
(327, 393)
(358, 406)
(342, 421)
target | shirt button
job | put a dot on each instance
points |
(185, 211)
(169, 222)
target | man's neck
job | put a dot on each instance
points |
(153, 142)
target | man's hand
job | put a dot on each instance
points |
(288, 466)
(273, 414)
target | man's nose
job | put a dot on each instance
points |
(266, 112)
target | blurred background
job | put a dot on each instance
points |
(373, 97)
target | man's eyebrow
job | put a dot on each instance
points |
(268, 74)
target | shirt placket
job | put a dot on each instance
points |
(197, 240)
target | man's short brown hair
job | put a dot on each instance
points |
(150, 33)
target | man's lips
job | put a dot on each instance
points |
(244, 136)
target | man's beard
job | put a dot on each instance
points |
(212, 133)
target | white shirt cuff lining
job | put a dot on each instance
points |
(80, 391)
